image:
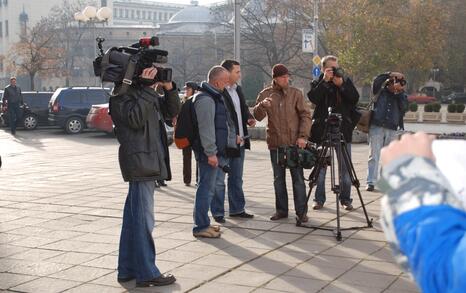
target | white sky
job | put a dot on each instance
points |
(201, 2)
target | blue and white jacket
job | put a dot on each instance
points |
(425, 224)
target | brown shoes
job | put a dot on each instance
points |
(210, 232)
(278, 216)
(317, 206)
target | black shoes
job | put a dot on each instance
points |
(278, 216)
(370, 187)
(219, 219)
(162, 280)
(243, 215)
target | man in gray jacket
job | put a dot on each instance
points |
(14, 99)
(217, 135)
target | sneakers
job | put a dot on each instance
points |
(162, 280)
(317, 205)
(278, 216)
(243, 215)
(211, 232)
(370, 187)
(219, 219)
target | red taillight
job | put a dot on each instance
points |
(103, 111)
(55, 107)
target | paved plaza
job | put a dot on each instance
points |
(61, 201)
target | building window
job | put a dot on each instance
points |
(6, 28)
(115, 12)
(126, 13)
(160, 15)
(1, 29)
(143, 15)
(138, 14)
(166, 16)
(132, 14)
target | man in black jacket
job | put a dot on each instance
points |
(338, 92)
(239, 111)
(14, 99)
(138, 117)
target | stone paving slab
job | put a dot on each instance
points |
(61, 201)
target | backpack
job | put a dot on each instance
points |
(186, 128)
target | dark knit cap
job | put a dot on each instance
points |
(279, 70)
(192, 84)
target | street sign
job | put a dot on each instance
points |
(308, 41)
(316, 71)
(316, 59)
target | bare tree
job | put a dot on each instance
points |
(35, 52)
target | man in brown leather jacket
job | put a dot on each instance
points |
(288, 123)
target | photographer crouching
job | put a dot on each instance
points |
(137, 114)
(390, 104)
(333, 90)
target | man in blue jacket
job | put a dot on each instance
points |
(423, 219)
(390, 103)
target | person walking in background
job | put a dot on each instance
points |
(190, 89)
(13, 98)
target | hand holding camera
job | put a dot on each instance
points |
(267, 102)
(418, 144)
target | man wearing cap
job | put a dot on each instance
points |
(288, 123)
(13, 98)
(190, 89)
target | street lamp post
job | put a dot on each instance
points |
(237, 36)
(91, 16)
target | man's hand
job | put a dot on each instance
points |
(419, 144)
(149, 73)
(398, 88)
(267, 102)
(252, 122)
(328, 74)
(338, 81)
(213, 161)
(168, 85)
(239, 139)
(301, 143)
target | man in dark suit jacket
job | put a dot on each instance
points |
(237, 108)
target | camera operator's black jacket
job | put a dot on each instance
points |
(343, 100)
(138, 116)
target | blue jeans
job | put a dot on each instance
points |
(137, 250)
(236, 199)
(14, 115)
(205, 191)
(345, 195)
(378, 138)
(281, 193)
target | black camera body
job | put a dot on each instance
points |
(333, 122)
(293, 156)
(395, 79)
(125, 64)
(338, 72)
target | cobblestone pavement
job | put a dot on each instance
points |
(61, 200)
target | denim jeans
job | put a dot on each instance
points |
(281, 193)
(236, 199)
(345, 195)
(14, 115)
(205, 191)
(378, 138)
(137, 250)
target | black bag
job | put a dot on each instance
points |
(293, 157)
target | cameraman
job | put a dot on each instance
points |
(138, 117)
(334, 90)
(390, 103)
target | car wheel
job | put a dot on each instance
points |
(30, 122)
(74, 125)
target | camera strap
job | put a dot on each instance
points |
(128, 79)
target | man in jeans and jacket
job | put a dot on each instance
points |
(138, 117)
(14, 99)
(288, 123)
(389, 108)
(217, 134)
(236, 105)
(339, 93)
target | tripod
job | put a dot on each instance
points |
(334, 143)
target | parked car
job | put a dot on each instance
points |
(98, 118)
(68, 107)
(456, 98)
(421, 99)
(33, 113)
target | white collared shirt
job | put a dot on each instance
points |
(235, 98)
